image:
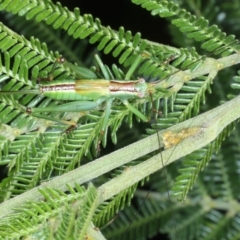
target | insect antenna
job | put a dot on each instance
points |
(167, 184)
(164, 172)
(181, 137)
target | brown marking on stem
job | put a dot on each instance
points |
(171, 139)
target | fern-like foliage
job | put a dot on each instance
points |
(60, 209)
(37, 148)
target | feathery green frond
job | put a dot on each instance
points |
(35, 150)
(107, 210)
(61, 209)
(123, 45)
(197, 28)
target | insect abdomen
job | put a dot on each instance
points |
(62, 91)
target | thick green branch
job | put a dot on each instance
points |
(201, 130)
(179, 140)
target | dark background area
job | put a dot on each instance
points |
(124, 13)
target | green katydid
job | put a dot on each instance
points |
(89, 94)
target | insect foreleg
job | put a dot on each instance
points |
(104, 125)
(76, 106)
(135, 111)
(106, 114)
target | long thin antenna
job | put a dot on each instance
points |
(165, 174)
(166, 184)
(160, 152)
